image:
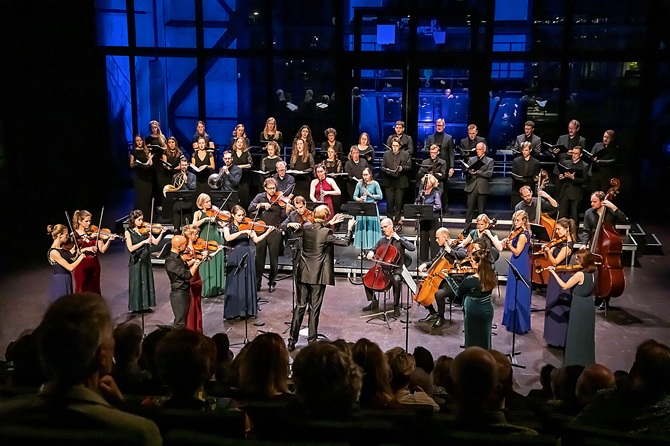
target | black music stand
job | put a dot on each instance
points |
(419, 212)
(361, 209)
(519, 278)
(181, 197)
(539, 232)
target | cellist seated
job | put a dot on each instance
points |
(444, 292)
(392, 274)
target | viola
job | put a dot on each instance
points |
(257, 226)
(278, 198)
(307, 216)
(380, 276)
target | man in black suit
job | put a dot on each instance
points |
(603, 162)
(478, 183)
(469, 144)
(445, 142)
(435, 166)
(525, 170)
(401, 244)
(396, 165)
(406, 142)
(529, 136)
(569, 140)
(315, 269)
(570, 182)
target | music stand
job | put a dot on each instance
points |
(539, 232)
(178, 196)
(519, 278)
(361, 209)
(243, 265)
(419, 212)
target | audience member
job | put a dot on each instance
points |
(127, 372)
(594, 377)
(263, 375)
(376, 390)
(402, 366)
(564, 386)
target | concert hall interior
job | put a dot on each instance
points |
(81, 79)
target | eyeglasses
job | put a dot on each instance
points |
(271, 187)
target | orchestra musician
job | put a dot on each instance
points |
(557, 307)
(183, 207)
(62, 262)
(368, 230)
(194, 316)
(528, 203)
(285, 181)
(267, 206)
(483, 231)
(525, 170)
(516, 316)
(406, 142)
(315, 270)
(396, 164)
(444, 292)
(399, 243)
(180, 275)
(570, 191)
(323, 188)
(478, 183)
(599, 205)
(429, 194)
(299, 216)
(87, 274)
(212, 272)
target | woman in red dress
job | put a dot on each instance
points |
(194, 317)
(87, 274)
(323, 188)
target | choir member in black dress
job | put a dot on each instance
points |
(267, 208)
(305, 134)
(525, 170)
(354, 167)
(239, 132)
(401, 244)
(242, 159)
(157, 143)
(302, 161)
(330, 142)
(171, 158)
(269, 162)
(180, 275)
(62, 262)
(202, 158)
(141, 160)
(603, 162)
(270, 133)
(315, 270)
(396, 165)
(200, 133)
(570, 191)
(429, 194)
(367, 152)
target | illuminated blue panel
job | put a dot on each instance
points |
(118, 94)
(171, 24)
(111, 22)
(222, 99)
(215, 20)
(511, 10)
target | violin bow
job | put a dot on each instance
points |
(74, 237)
(97, 237)
(151, 223)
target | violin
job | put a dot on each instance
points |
(307, 216)
(455, 242)
(551, 244)
(515, 233)
(201, 245)
(155, 229)
(278, 198)
(104, 234)
(220, 216)
(257, 226)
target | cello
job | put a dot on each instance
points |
(379, 277)
(435, 276)
(607, 243)
(539, 261)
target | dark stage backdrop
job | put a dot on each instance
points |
(54, 137)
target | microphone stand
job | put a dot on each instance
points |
(519, 278)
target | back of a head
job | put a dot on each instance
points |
(376, 372)
(72, 330)
(564, 383)
(423, 358)
(594, 377)
(127, 343)
(651, 370)
(505, 374)
(474, 378)
(183, 359)
(264, 369)
(27, 369)
(402, 366)
(442, 371)
(327, 381)
(149, 345)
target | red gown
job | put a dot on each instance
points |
(328, 199)
(87, 274)
(194, 317)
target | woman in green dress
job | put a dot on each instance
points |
(477, 305)
(213, 272)
(141, 293)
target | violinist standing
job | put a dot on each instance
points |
(213, 271)
(141, 292)
(399, 243)
(368, 230)
(557, 309)
(87, 274)
(315, 270)
(475, 291)
(444, 292)
(241, 297)
(180, 274)
(194, 316)
(62, 262)
(516, 316)
(298, 218)
(267, 206)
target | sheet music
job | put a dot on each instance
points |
(407, 277)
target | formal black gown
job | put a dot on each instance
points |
(580, 346)
(240, 281)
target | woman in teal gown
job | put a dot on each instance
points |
(212, 272)
(368, 228)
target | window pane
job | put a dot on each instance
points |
(300, 24)
(120, 105)
(228, 27)
(111, 22)
(170, 24)
(441, 34)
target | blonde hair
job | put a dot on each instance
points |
(483, 217)
(189, 230)
(321, 213)
(56, 230)
(78, 216)
(201, 200)
(524, 216)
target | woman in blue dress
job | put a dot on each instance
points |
(212, 271)
(368, 228)
(557, 307)
(516, 316)
(241, 299)
(62, 262)
(580, 346)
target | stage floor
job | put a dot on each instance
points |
(641, 313)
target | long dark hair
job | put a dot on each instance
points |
(487, 278)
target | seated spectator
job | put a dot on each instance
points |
(474, 386)
(183, 358)
(564, 389)
(376, 390)
(594, 377)
(510, 399)
(645, 407)
(127, 373)
(222, 367)
(424, 359)
(27, 371)
(148, 360)
(440, 376)
(327, 381)
(544, 394)
(402, 366)
(76, 349)
(263, 375)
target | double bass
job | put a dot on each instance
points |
(607, 243)
(435, 276)
(539, 261)
(380, 276)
